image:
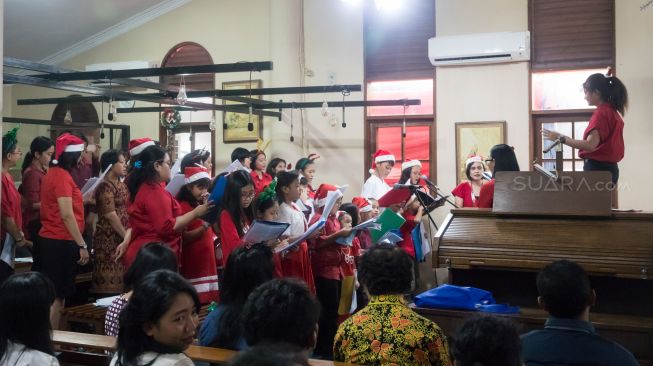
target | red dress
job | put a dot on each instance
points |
(407, 233)
(486, 199)
(198, 260)
(327, 259)
(260, 183)
(465, 191)
(10, 203)
(152, 217)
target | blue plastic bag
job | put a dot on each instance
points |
(454, 297)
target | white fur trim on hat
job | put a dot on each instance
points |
(197, 176)
(367, 208)
(410, 164)
(74, 148)
(473, 159)
(139, 149)
(382, 158)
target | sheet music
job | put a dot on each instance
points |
(331, 199)
(176, 168)
(105, 302)
(93, 183)
(175, 184)
(262, 231)
(235, 165)
(390, 238)
(317, 225)
(7, 254)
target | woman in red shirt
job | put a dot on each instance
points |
(602, 145)
(198, 256)
(59, 246)
(237, 211)
(35, 165)
(467, 193)
(502, 159)
(260, 177)
(154, 215)
(11, 214)
(306, 169)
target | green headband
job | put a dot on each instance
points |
(269, 193)
(9, 141)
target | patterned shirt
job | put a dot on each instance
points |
(388, 332)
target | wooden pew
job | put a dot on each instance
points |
(101, 343)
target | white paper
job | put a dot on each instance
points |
(390, 238)
(236, 165)
(331, 199)
(176, 168)
(92, 184)
(105, 302)
(175, 184)
(369, 224)
(317, 225)
(7, 254)
(262, 231)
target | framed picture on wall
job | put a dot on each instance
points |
(476, 138)
(235, 124)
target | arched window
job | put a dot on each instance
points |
(194, 132)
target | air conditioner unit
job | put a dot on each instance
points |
(480, 48)
(124, 65)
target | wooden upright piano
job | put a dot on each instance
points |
(502, 251)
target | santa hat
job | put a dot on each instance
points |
(195, 173)
(67, 143)
(411, 163)
(136, 146)
(473, 159)
(380, 156)
(321, 194)
(362, 203)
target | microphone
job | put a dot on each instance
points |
(424, 178)
(487, 175)
(554, 144)
(400, 186)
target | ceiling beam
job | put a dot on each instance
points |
(347, 103)
(217, 107)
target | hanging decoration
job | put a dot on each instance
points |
(102, 122)
(403, 124)
(344, 94)
(325, 109)
(113, 111)
(212, 122)
(292, 109)
(170, 118)
(250, 125)
(68, 118)
(333, 119)
(182, 98)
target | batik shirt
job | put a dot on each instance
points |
(388, 332)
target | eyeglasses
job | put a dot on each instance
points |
(164, 162)
(487, 161)
(247, 195)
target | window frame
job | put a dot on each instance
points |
(541, 117)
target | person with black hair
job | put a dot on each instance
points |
(154, 214)
(60, 246)
(276, 166)
(11, 224)
(197, 260)
(468, 192)
(243, 155)
(400, 335)
(488, 341)
(35, 164)
(502, 159)
(25, 333)
(306, 169)
(158, 323)
(295, 262)
(602, 145)
(247, 268)
(200, 157)
(375, 186)
(281, 310)
(237, 212)
(568, 336)
(271, 354)
(260, 177)
(151, 257)
(111, 200)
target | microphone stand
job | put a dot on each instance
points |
(435, 189)
(413, 190)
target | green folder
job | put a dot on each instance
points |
(389, 221)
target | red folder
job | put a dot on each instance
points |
(395, 196)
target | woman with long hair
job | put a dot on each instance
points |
(237, 212)
(60, 246)
(25, 300)
(306, 169)
(260, 177)
(111, 200)
(502, 159)
(158, 323)
(276, 166)
(154, 215)
(35, 165)
(247, 268)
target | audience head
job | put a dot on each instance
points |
(68, 151)
(117, 161)
(25, 300)
(162, 314)
(411, 171)
(281, 310)
(487, 341)
(41, 150)
(259, 160)
(271, 354)
(306, 167)
(386, 269)
(243, 155)
(564, 289)
(152, 166)
(601, 88)
(288, 189)
(503, 159)
(195, 190)
(238, 197)
(151, 257)
(276, 166)
(197, 157)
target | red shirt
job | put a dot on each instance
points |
(152, 217)
(30, 189)
(58, 183)
(486, 199)
(10, 203)
(465, 191)
(326, 260)
(260, 183)
(407, 233)
(610, 126)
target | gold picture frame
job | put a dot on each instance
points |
(235, 124)
(476, 138)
